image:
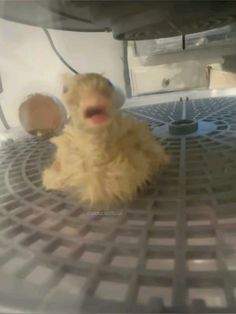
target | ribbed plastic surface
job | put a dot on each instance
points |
(171, 250)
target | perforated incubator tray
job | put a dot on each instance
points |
(171, 250)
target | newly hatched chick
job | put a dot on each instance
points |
(103, 156)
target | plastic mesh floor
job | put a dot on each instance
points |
(171, 250)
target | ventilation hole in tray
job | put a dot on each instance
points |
(110, 290)
(146, 292)
(40, 275)
(213, 297)
(72, 284)
(124, 261)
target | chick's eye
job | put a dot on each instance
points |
(109, 83)
(65, 89)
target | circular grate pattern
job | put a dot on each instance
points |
(183, 127)
(172, 249)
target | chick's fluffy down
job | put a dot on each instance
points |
(106, 169)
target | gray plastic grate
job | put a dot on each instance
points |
(171, 250)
